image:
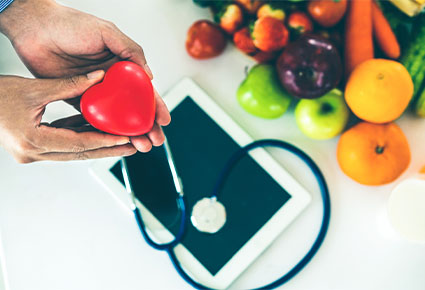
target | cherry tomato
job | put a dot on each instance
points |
(205, 40)
(327, 12)
(300, 23)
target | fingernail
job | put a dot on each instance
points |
(123, 141)
(95, 74)
(148, 71)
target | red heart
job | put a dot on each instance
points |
(123, 103)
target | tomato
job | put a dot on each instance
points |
(205, 40)
(327, 12)
(300, 22)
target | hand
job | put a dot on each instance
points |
(22, 104)
(57, 41)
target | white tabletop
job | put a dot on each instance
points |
(61, 230)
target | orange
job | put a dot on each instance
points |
(379, 90)
(373, 154)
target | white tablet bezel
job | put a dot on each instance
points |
(300, 198)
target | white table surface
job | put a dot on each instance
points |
(61, 230)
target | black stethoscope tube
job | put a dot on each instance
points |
(178, 238)
(169, 247)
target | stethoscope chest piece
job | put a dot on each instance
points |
(208, 215)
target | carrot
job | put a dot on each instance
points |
(358, 34)
(384, 35)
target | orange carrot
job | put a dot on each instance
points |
(358, 34)
(384, 34)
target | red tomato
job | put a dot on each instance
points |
(327, 12)
(205, 40)
(300, 22)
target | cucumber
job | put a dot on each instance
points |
(420, 105)
(413, 57)
(410, 32)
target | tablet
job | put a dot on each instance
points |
(260, 197)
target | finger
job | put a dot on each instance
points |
(68, 88)
(122, 46)
(85, 128)
(105, 65)
(142, 143)
(162, 116)
(51, 139)
(156, 135)
(123, 150)
(101, 64)
(73, 121)
(82, 65)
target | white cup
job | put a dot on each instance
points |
(406, 209)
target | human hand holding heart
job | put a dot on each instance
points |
(125, 103)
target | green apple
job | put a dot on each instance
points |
(324, 117)
(261, 93)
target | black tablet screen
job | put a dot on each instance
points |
(200, 149)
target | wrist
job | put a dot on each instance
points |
(13, 18)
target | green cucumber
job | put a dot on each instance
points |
(414, 56)
(420, 104)
(410, 32)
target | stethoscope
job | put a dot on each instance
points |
(209, 214)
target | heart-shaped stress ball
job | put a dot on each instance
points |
(123, 103)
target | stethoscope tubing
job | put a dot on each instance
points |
(182, 205)
(169, 247)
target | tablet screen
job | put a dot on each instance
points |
(200, 149)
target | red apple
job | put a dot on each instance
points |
(205, 40)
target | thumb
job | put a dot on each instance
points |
(75, 86)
